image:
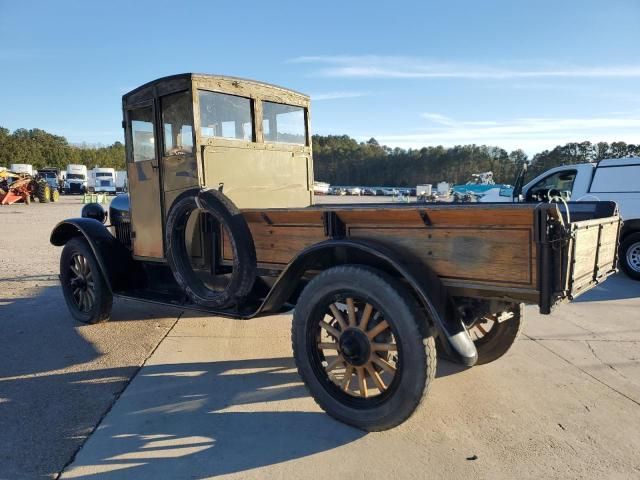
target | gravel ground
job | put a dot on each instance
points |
(57, 377)
(217, 396)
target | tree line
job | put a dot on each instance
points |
(339, 159)
(43, 149)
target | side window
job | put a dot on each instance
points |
(142, 134)
(616, 179)
(559, 181)
(283, 123)
(225, 116)
(177, 124)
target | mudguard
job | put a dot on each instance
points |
(425, 283)
(114, 259)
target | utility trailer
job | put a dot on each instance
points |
(220, 217)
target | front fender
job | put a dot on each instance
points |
(113, 258)
(422, 280)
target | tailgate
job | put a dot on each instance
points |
(592, 253)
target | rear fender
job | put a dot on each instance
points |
(425, 284)
(113, 258)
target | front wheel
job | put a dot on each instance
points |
(358, 347)
(85, 290)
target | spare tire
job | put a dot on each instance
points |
(222, 209)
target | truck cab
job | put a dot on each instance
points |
(103, 180)
(52, 176)
(248, 139)
(75, 179)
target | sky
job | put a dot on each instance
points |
(515, 74)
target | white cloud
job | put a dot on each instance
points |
(531, 134)
(318, 97)
(372, 66)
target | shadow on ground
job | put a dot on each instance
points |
(54, 386)
(616, 287)
(190, 417)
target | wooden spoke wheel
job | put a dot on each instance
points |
(494, 335)
(85, 291)
(358, 347)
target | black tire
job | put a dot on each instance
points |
(43, 191)
(416, 355)
(93, 304)
(500, 337)
(629, 255)
(223, 210)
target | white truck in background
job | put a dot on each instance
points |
(614, 179)
(102, 180)
(122, 184)
(75, 179)
(21, 168)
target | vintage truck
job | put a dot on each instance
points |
(220, 217)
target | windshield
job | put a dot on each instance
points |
(75, 176)
(49, 175)
(104, 174)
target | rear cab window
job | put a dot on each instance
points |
(283, 123)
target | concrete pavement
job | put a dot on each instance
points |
(221, 397)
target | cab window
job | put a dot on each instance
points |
(283, 123)
(560, 182)
(225, 116)
(177, 124)
(142, 134)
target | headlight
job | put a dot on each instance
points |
(95, 211)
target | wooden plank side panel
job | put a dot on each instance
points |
(493, 255)
(439, 216)
(482, 217)
(608, 246)
(584, 257)
(278, 244)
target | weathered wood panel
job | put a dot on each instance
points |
(279, 244)
(584, 256)
(495, 255)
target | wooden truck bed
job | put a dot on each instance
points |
(519, 252)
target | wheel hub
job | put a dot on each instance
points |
(355, 347)
(633, 256)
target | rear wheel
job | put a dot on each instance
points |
(494, 335)
(85, 290)
(358, 347)
(43, 191)
(630, 255)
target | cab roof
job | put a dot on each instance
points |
(222, 83)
